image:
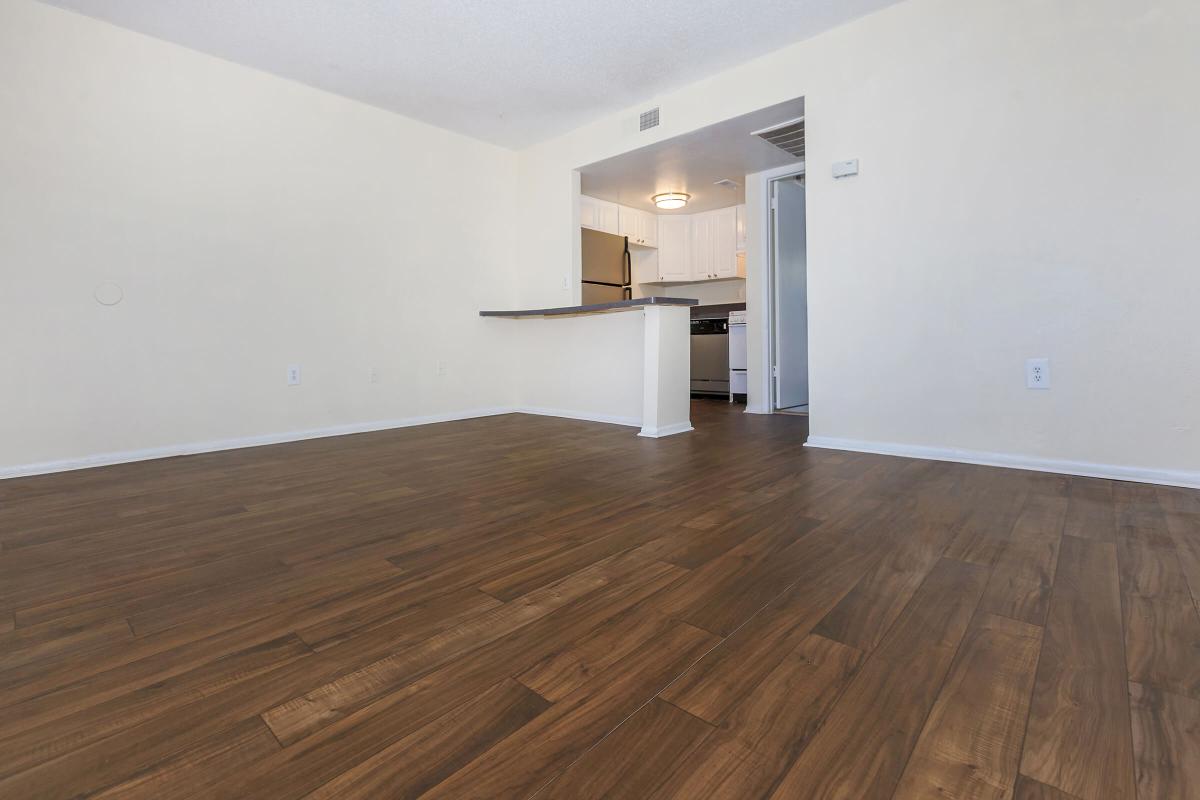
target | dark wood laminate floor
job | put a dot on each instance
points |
(522, 606)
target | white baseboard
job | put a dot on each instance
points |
(1167, 477)
(192, 448)
(612, 419)
(666, 430)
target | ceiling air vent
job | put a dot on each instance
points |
(787, 136)
(726, 183)
(648, 119)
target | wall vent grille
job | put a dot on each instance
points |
(648, 119)
(787, 136)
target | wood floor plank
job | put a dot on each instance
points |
(421, 760)
(733, 669)
(1166, 743)
(1024, 571)
(320, 757)
(30, 746)
(1029, 789)
(763, 733)
(862, 748)
(525, 761)
(303, 715)
(195, 772)
(1078, 734)
(1091, 513)
(911, 545)
(635, 758)
(723, 593)
(970, 746)
(811, 678)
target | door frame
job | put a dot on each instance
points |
(767, 293)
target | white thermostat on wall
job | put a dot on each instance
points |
(844, 169)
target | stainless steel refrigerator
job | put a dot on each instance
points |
(607, 268)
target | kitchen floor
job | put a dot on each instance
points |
(519, 605)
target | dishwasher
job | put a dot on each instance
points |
(710, 356)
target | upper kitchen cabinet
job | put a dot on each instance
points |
(703, 233)
(740, 246)
(674, 247)
(714, 244)
(640, 227)
(599, 215)
(724, 243)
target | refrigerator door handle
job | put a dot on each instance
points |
(627, 264)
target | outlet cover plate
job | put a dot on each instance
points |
(1037, 373)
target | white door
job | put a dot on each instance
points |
(790, 257)
(674, 244)
(725, 243)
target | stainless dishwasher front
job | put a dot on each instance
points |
(710, 356)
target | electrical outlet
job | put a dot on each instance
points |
(441, 367)
(293, 376)
(373, 375)
(566, 282)
(1037, 373)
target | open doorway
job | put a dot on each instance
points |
(788, 282)
(684, 217)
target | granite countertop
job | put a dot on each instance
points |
(595, 308)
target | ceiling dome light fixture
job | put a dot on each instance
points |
(671, 200)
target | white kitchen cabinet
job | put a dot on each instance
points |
(599, 215)
(674, 247)
(740, 246)
(724, 243)
(640, 227)
(693, 248)
(703, 233)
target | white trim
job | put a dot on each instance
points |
(193, 448)
(1167, 477)
(766, 289)
(666, 430)
(586, 416)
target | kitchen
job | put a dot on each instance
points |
(632, 253)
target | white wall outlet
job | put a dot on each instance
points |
(441, 367)
(1037, 373)
(373, 375)
(293, 375)
(566, 282)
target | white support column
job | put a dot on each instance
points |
(667, 371)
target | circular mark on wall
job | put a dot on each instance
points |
(108, 294)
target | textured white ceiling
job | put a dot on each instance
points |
(513, 72)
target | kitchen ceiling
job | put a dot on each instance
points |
(512, 73)
(693, 163)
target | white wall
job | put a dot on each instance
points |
(588, 366)
(253, 223)
(1028, 189)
